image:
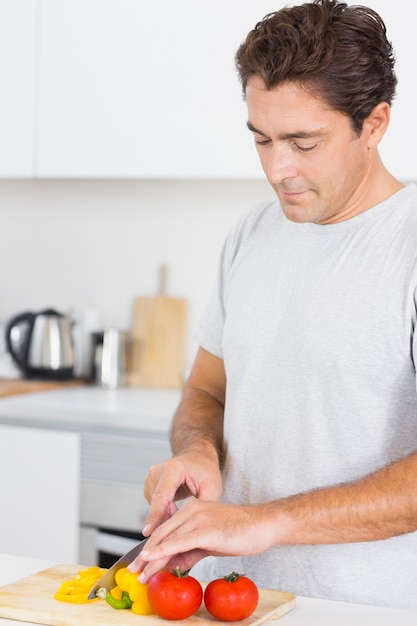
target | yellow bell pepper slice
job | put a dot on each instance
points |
(74, 598)
(77, 588)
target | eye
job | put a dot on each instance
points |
(262, 142)
(306, 148)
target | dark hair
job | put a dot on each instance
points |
(337, 52)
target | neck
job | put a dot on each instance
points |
(383, 185)
(377, 185)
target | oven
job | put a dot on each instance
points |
(113, 508)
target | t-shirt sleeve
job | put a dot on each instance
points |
(414, 336)
(209, 330)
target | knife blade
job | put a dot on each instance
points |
(108, 580)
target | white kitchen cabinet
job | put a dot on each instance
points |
(128, 89)
(17, 79)
(148, 90)
(40, 493)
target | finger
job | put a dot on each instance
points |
(160, 534)
(166, 549)
(184, 561)
(152, 522)
(160, 491)
(146, 569)
(156, 517)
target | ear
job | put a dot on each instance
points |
(377, 123)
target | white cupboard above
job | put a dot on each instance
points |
(138, 90)
(17, 75)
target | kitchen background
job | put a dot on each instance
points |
(98, 244)
(123, 146)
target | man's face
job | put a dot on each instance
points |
(317, 165)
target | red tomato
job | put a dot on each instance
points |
(174, 594)
(231, 598)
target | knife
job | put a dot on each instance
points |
(108, 580)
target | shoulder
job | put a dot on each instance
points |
(256, 222)
(406, 199)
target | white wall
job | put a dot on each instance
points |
(99, 244)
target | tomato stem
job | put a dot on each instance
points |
(179, 573)
(232, 578)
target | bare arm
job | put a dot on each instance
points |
(379, 506)
(196, 439)
(198, 422)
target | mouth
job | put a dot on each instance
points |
(291, 194)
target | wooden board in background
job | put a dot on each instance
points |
(19, 386)
(31, 599)
(159, 330)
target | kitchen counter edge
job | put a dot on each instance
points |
(308, 611)
(91, 408)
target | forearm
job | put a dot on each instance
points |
(379, 506)
(194, 468)
(196, 439)
(198, 425)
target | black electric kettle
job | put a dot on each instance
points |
(41, 344)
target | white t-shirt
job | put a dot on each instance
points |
(315, 324)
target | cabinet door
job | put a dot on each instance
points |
(17, 78)
(139, 89)
(39, 492)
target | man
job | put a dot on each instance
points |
(297, 431)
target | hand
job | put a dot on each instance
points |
(188, 474)
(200, 528)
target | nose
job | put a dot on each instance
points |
(281, 164)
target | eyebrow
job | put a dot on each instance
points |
(300, 134)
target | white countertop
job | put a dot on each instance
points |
(93, 408)
(308, 611)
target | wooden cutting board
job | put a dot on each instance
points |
(159, 339)
(21, 386)
(31, 599)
